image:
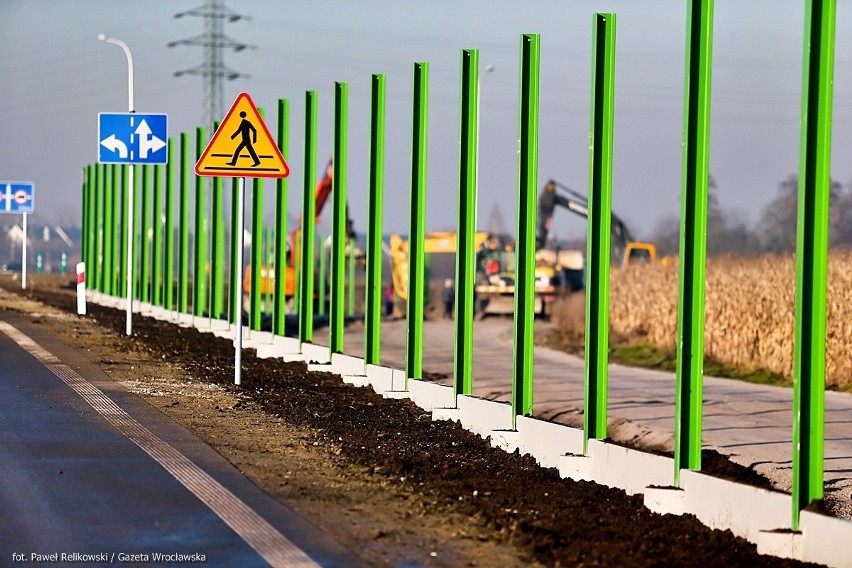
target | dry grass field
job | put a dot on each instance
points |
(750, 306)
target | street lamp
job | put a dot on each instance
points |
(130, 175)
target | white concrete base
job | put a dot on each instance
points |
(446, 414)
(399, 395)
(280, 347)
(201, 323)
(220, 325)
(577, 468)
(156, 312)
(224, 333)
(783, 544)
(428, 395)
(380, 378)
(547, 441)
(185, 320)
(506, 440)
(316, 353)
(481, 416)
(826, 539)
(347, 365)
(665, 500)
(743, 509)
(253, 338)
(321, 368)
(356, 380)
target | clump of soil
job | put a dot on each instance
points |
(437, 472)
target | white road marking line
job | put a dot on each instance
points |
(265, 539)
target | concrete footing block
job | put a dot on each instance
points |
(481, 416)
(665, 500)
(254, 338)
(428, 395)
(446, 414)
(628, 469)
(220, 325)
(156, 312)
(356, 380)
(781, 543)
(547, 441)
(224, 333)
(347, 364)
(743, 509)
(506, 440)
(185, 320)
(823, 538)
(380, 378)
(201, 323)
(399, 395)
(316, 353)
(577, 468)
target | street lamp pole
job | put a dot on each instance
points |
(130, 178)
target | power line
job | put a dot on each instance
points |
(212, 69)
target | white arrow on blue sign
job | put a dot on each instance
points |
(131, 138)
(16, 196)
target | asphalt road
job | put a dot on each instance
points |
(88, 469)
(751, 423)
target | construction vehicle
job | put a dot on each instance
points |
(557, 272)
(267, 273)
(626, 250)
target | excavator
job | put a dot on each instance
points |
(322, 192)
(557, 272)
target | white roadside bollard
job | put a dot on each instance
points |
(81, 288)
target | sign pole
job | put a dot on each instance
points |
(24, 256)
(235, 284)
(129, 290)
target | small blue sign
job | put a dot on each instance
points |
(16, 196)
(130, 138)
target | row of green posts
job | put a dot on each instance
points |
(164, 264)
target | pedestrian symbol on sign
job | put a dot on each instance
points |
(242, 146)
(248, 137)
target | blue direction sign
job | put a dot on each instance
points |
(130, 138)
(16, 197)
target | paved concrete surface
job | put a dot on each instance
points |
(73, 483)
(751, 423)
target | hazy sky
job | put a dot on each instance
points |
(56, 77)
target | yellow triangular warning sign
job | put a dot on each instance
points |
(242, 146)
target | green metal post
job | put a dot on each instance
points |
(350, 278)
(121, 241)
(321, 277)
(599, 227)
(145, 256)
(522, 360)
(337, 265)
(256, 252)
(157, 243)
(199, 274)
(306, 276)
(693, 238)
(466, 233)
(183, 252)
(279, 316)
(235, 270)
(812, 255)
(117, 184)
(108, 269)
(97, 277)
(169, 260)
(375, 199)
(267, 260)
(92, 234)
(217, 238)
(417, 220)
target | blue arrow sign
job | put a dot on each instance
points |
(16, 196)
(130, 138)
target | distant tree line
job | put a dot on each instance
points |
(775, 230)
